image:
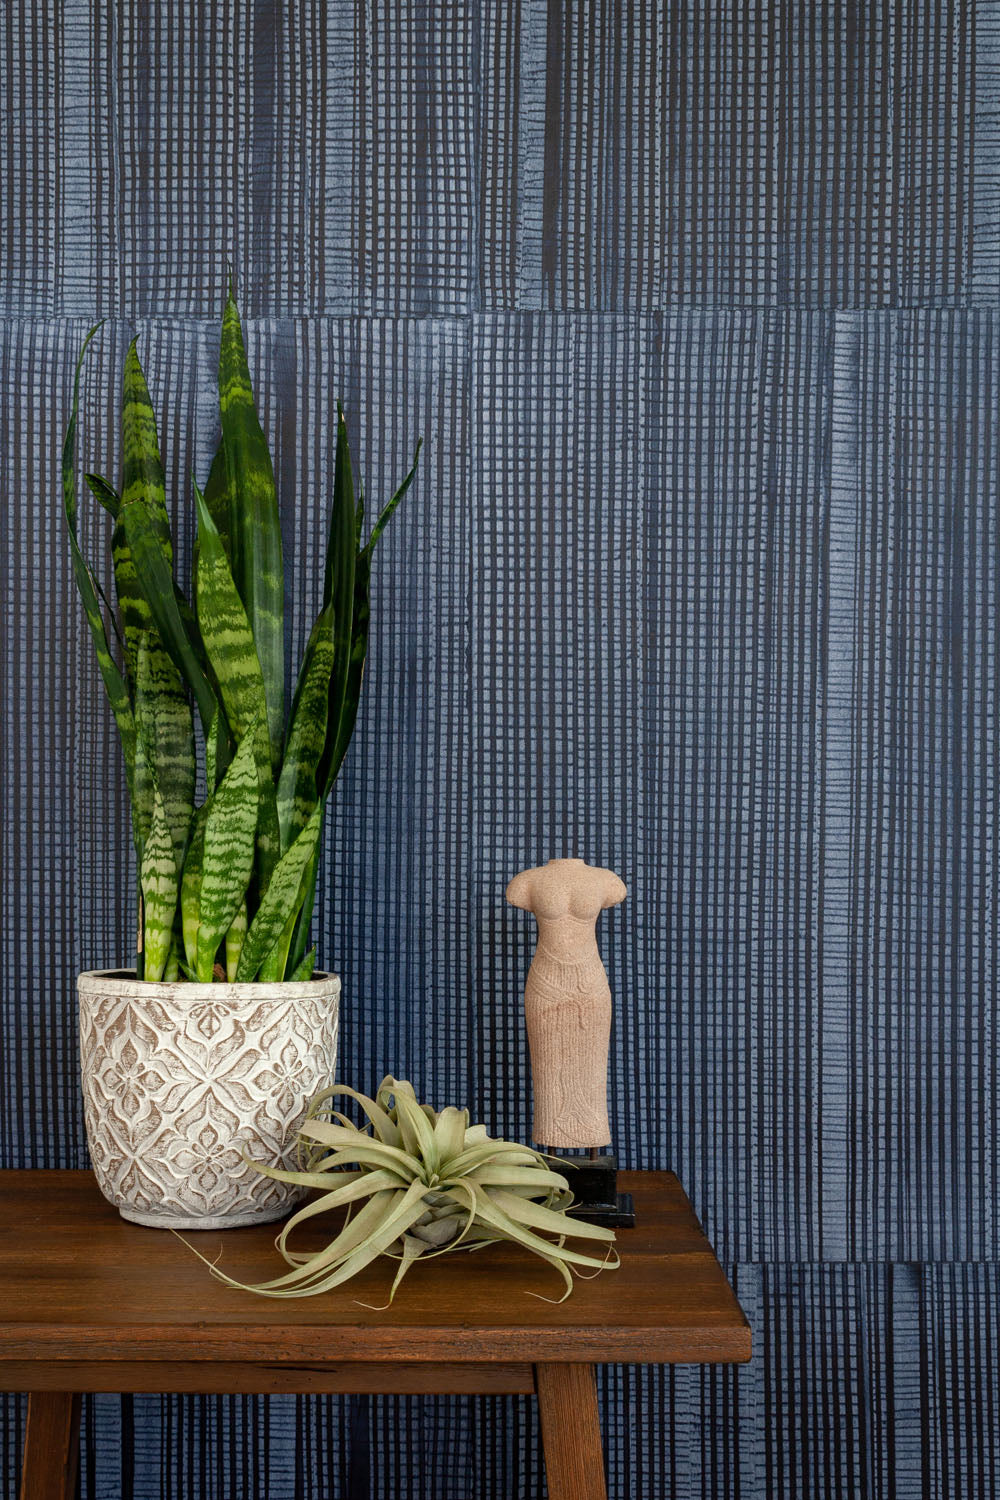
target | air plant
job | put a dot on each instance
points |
(225, 888)
(418, 1182)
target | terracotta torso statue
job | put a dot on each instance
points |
(567, 1001)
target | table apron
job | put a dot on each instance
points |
(50, 1344)
(216, 1377)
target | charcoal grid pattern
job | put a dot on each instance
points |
(697, 308)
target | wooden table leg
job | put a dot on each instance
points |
(571, 1432)
(51, 1446)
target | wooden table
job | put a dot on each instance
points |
(92, 1303)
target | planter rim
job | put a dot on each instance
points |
(124, 982)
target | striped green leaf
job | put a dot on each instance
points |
(166, 732)
(143, 791)
(337, 742)
(338, 739)
(104, 493)
(219, 742)
(385, 514)
(343, 701)
(219, 498)
(107, 496)
(216, 757)
(304, 969)
(112, 619)
(226, 632)
(142, 469)
(172, 967)
(272, 970)
(279, 901)
(191, 885)
(142, 545)
(338, 581)
(228, 638)
(190, 623)
(234, 941)
(114, 682)
(156, 586)
(297, 789)
(268, 835)
(359, 514)
(304, 915)
(228, 855)
(255, 526)
(159, 892)
(136, 615)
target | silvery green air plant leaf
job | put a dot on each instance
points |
(267, 781)
(415, 1183)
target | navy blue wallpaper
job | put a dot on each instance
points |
(697, 306)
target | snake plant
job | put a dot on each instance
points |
(226, 883)
(424, 1183)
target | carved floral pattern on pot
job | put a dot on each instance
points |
(179, 1080)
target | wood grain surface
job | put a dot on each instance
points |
(83, 1285)
(51, 1446)
(571, 1432)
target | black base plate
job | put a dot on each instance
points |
(594, 1180)
(617, 1215)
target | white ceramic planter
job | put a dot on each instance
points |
(179, 1080)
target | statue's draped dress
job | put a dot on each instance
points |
(567, 1001)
